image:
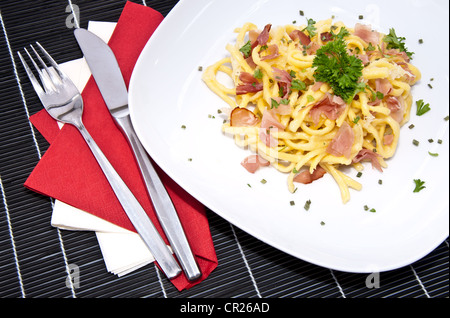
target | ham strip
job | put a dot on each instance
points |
(284, 80)
(384, 86)
(342, 143)
(242, 117)
(257, 39)
(396, 106)
(331, 106)
(299, 35)
(366, 154)
(253, 162)
(269, 121)
(250, 84)
(306, 177)
(366, 33)
(274, 52)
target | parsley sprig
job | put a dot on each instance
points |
(337, 68)
(419, 185)
(396, 42)
(311, 28)
(246, 49)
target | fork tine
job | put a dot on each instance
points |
(37, 87)
(51, 60)
(53, 76)
(45, 80)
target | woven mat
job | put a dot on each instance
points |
(34, 256)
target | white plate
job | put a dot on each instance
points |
(166, 92)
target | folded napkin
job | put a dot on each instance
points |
(123, 251)
(69, 172)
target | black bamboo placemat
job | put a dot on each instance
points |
(34, 257)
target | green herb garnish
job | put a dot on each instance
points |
(311, 28)
(258, 74)
(419, 185)
(422, 108)
(298, 85)
(396, 42)
(310, 98)
(246, 49)
(275, 104)
(337, 68)
(307, 205)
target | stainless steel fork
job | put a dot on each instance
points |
(63, 102)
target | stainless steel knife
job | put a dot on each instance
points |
(105, 69)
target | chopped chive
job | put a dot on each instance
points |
(366, 208)
(189, 159)
(439, 141)
(430, 140)
(263, 181)
(322, 223)
(249, 185)
(183, 126)
(420, 41)
(429, 85)
(200, 68)
(415, 142)
(411, 126)
(359, 174)
(360, 17)
(433, 154)
(307, 205)
(301, 13)
(292, 203)
(380, 181)
(372, 210)
(446, 118)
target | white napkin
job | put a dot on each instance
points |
(123, 251)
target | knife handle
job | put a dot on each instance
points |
(162, 203)
(134, 210)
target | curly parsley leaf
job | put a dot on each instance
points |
(246, 49)
(337, 68)
(311, 28)
(396, 42)
(419, 185)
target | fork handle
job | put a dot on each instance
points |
(162, 203)
(134, 210)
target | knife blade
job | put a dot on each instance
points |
(106, 72)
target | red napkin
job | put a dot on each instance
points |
(69, 172)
